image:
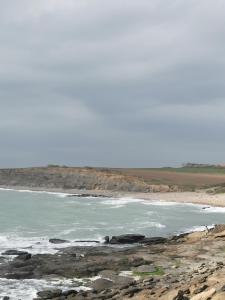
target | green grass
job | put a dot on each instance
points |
(158, 272)
(198, 170)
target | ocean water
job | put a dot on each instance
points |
(29, 219)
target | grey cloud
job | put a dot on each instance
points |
(117, 83)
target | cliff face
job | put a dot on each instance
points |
(76, 178)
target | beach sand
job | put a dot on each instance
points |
(199, 197)
(185, 197)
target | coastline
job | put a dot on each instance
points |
(156, 267)
(188, 265)
(198, 197)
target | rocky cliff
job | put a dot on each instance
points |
(76, 178)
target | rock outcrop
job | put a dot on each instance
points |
(76, 178)
(181, 268)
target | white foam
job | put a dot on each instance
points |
(162, 203)
(59, 194)
(28, 288)
(120, 202)
(213, 209)
(149, 224)
(197, 228)
(149, 213)
(38, 245)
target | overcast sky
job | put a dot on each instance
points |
(112, 83)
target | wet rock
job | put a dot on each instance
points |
(101, 284)
(24, 257)
(14, 252)
(69, 293)
(87, 241)
(106, 239)
(57, 241)
(86, 195)
(153, 240)
(19, 275)
(49, 294)
(2, 259)
(126, 239)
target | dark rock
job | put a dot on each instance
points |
(2, 259)
(127, 239)
(24, 257)
(200, 289)
(131, 291)
(69, 293)
(106, 239)
(85, 195)
(57, 241)
(19, 275)
(87, 241)
(49, 294)
(14, 252)
(180, 296)
(5, 298)
(153, 240)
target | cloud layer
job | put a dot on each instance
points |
(112, 83)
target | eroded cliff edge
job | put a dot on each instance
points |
(67, 178)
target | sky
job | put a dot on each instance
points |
(122, 83)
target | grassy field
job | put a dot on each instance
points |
(188, 178)
(199, 170)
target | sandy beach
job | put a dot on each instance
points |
(185, 197)
(199, 197)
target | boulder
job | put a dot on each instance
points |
(200, 289)
(106, 239)
(69, 293)
(205, 295)
(14, 252)
(127, 239)
(145, 269)
(174, 295)
(219, 296)
(101, 284)
(49, 294)
(17, 274)
(57, 241)
(153, 240)
(24, 257)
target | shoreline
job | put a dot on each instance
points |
(159, 270)
(199, 197)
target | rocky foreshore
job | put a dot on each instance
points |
(190, 266)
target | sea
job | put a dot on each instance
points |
(28, 219)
